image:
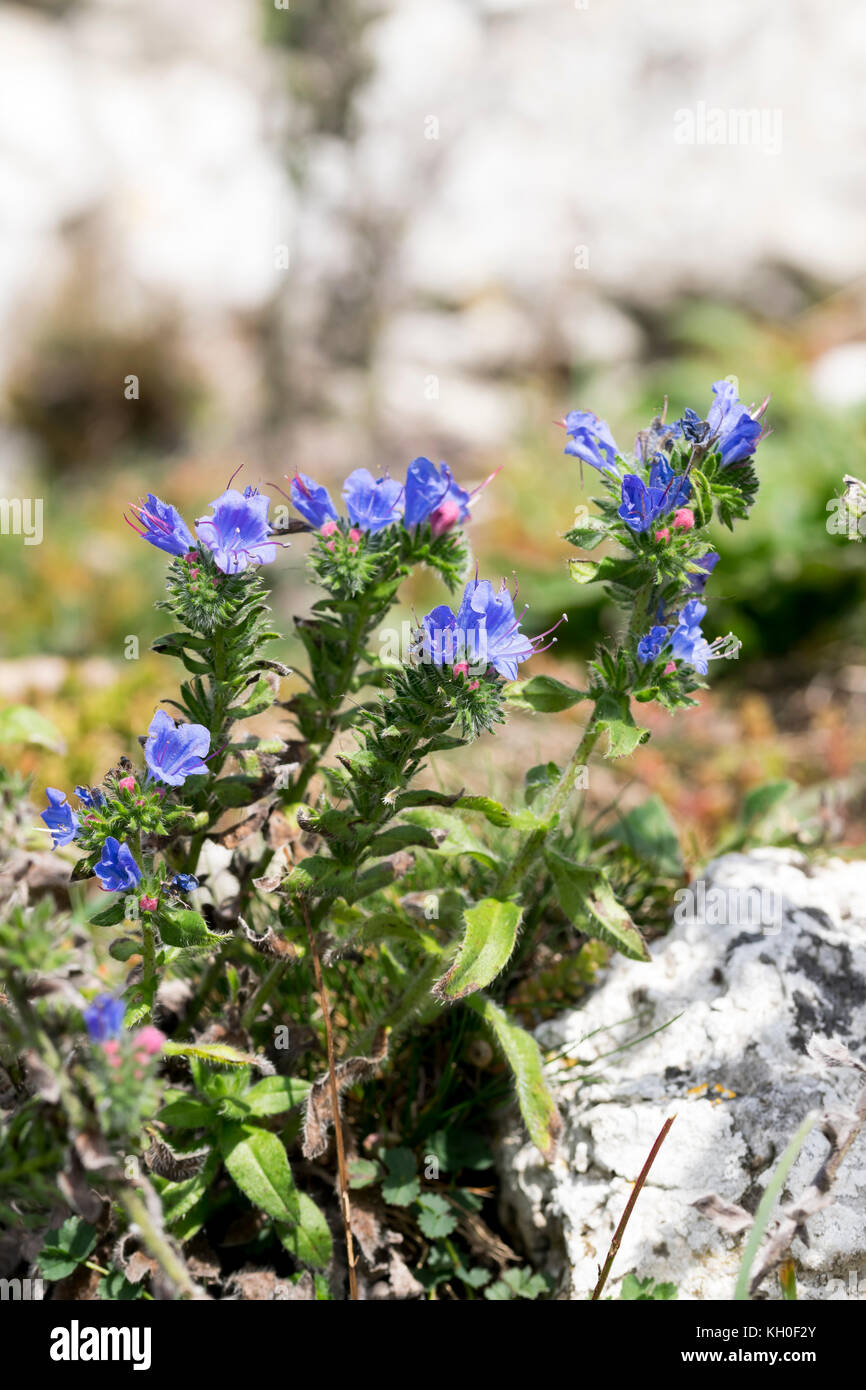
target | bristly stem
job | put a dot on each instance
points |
(335, 1104)
(629, 1208)
(534, 842)
(160, 1246)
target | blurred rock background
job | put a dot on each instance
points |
(347, 232)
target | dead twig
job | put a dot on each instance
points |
(335, 1103)
(629, 1208)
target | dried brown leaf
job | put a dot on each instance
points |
(320, 1113)
(165, 1163)
(728, 1216)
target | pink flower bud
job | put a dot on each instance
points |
(671, 666)
(461, 668)
(473, 685)
(147, 904)
(663, 535)
(127, 784)
(354, 535)
(684, 519)
(444, 517)
(328, 529)
(149, 1040)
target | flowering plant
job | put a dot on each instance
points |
(280, 860)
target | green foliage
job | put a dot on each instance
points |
(401, 1186)
(537, 1105)
(645, 1290)
(21, 724)
(517, 1283)
(337, 894)
(64, 1249)
(491, 935)
(588, 900)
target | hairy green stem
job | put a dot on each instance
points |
(148, 951)
(159, 1246)
(263, 993)
(535, 840)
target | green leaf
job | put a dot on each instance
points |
(771, 1194)
(459, 837)
(234, 791)
(517, 1283)
(583, 572)
(110, 916)
(124, 948)
(180, 1198)
(217, 1054)
(455, 1148)
(64, 1249)
(259, 698)
(185, 1112)
(490, 938)
(276, 1094)
(181, 926)
(760, 801)
(587, 898)
(622, 737)
(649, 833)
(401, 1187)
(435, 1217)
(612, 713)
(257, 1161)
(645, 1290)
(21, 724)
(537, 1105)
(399, 837)
(363, 1172)
(546, 694)
(623, 570)
(309, 1239)
(496, 813)
(115, 1287)
(540, 779)
(589, 535)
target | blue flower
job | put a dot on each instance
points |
(677, 487)
(641, 505)
(432, 495)
(91, 797)
(692, 427)
(590, 439)
(649, 647)
(708, 562)
(103, 1019)
(688, 642)
(735, 432)
(372, 503)
(184, 883)
(60, 818)
(312, 500)
(237, 534)
(174, 752)
(116, 868)
(163, 525)
(484, 631)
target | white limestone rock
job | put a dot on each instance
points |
(736, 1004)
